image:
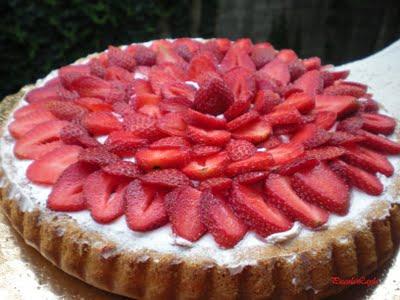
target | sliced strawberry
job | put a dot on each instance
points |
(66, 110)
(216, 184)
(173, 142)
(158, 77)
(97, 68)
(101, 122)
(122, 108)
(172, 124)
(240, 149)
(281, 194)
(368, 160)
(325, 153)
(286, 153)
(29, 109)
(261, 54)
(40, 140)
(241, 82)
(256, 213)
(243, 120)
(67, 192)
(357, 177)
(345, 90)
(168, 178)
(255, 132)
(311, 136)
(204, 150)
(266, 100)
(322, 187)
(183, 207)
(121, 58)
(260, 161)
(210, 137)
(42, 94)
(123, 168)
(168, 55)
(287, 55)
(93, 104)
(325, 119)
(343, 138)
(379, 143)
(143, 55)
(141, 86)
(104, 195)
(351, 125)
(368, 105)
(251, 177)
(278, 70)
(330, 77)
(22, 125)
(310, 82)
(142, 126)
(236, 57)
(123, 143)
(74, 134)
(302, 101)
(144, 207)
(119, 74)
(213, 97)
(299, 164)
(377, 123)
(296, 69)
(239, 107)
(177, 104)
(68, 74)
(226, 228)
(283, 117)
(199, 65)
(150, 159)
(339, 104)
(49, 167)
(98, 156)
(203, 168)
(178, 89)
(312, 63)
(207, 121)
(272, 142)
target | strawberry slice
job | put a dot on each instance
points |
(213, 97)
(123, 143)
(204, 150)
(149, 159)
(377, 123)
(287, 55)
(158, 77)
(178, 89)
(311, 136)
(143, 55)
(172, 124)
(168, 178)
(93, 104)
(302, 101)
(118, 74)
(343, 138)
(368, 105)
(66, 194)
(225, 227)
(123, 168)
(286, 153)
(104, 195)
(66, 110)
(255, 132)
(199, 65)
(325, 153)
(183, 207)
(121, 58)
(210, 137)
(351, 125)
(74, 134)
(177, 104)
(99, 123)
(144, 207)
(29, 109)
(281, 194)
(241, 82)
(236, 57)
(240, 149)
(312, 63)
(243, 120)
(299, 164)
(330, 77)
(256, 213)
(266, 100)
(323, 187)
(68, 74)
(283, 117)
(166, 54)
(98, 156)
(97, 68)
(173, 142)
(203, 168)
(142, 126)
(22, 125)
(40, 140)
(239, 107)
(271, 143)
(251, 177)
(42, 94)
(368, 160)
(379, 143)
(310, 82)
(206, 121)
(278, 70)
(216, 184)
(325, 119)
(261, 54)
(341, 105)
(359, 178)
(345, 90)
(260, 161)
(48, 168)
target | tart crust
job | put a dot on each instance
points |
(302, 269)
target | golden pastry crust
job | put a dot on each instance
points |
(299, 269)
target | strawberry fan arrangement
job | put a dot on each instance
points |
(215, 136)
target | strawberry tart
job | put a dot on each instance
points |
(202, 169)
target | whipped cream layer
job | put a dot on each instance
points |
(32, 196)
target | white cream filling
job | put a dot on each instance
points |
(163, 240)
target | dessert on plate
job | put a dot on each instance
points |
(196, 169)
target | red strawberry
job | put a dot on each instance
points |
(286, 153)
(66, 110)
(74, 134)
(40, 140)
(204, 150)
(141, 86)
(260, 161)
(150, 159)
(118, 74)
(266, 100)
(122, 108)
(123, 143)
(311, 136)
(98, 156)
(368, 160)
(325, 153)
(239, 107)
(243, 120)
(282, 117)
(368, 105)
(278, 70)
(299, 164)
(287, 55)
(168, 178)
(68, 74)
(93, 104)
(42, 94)
(168, 55)
(173, 142)
(261, 54)
(255, 132)
(143, 55)
(216, 184)
(351, 125)
(241, 82)
(199, 65)
(22, 125)
(172, 124)
(67, 192)
(97, 68)
(240, 149)
(302, 101)
(256, 213)
(220, 220)
(29, 109)
(101, 122)
(345, 90)
(330, 77)
(213, 97)
(121, 58)
(141, 125)
(66, 95)
(183, 207)
(339, 104)
(178, 89)
(377, 123)
(207, 121)
(322, 187)
(310, 82)
(271, 143)
(281, 194)
(236, 57)
(379, 143)
(158, 77)
(123, 168)
(104, 195)
(251, 177)
(210, 137)
(325, 119)
(359, 178)
(312, 63)
(203, 168)
(145, 207)
(177, 104)
(343, 138)
(49, 167)
(296, 69)
(183, 51)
